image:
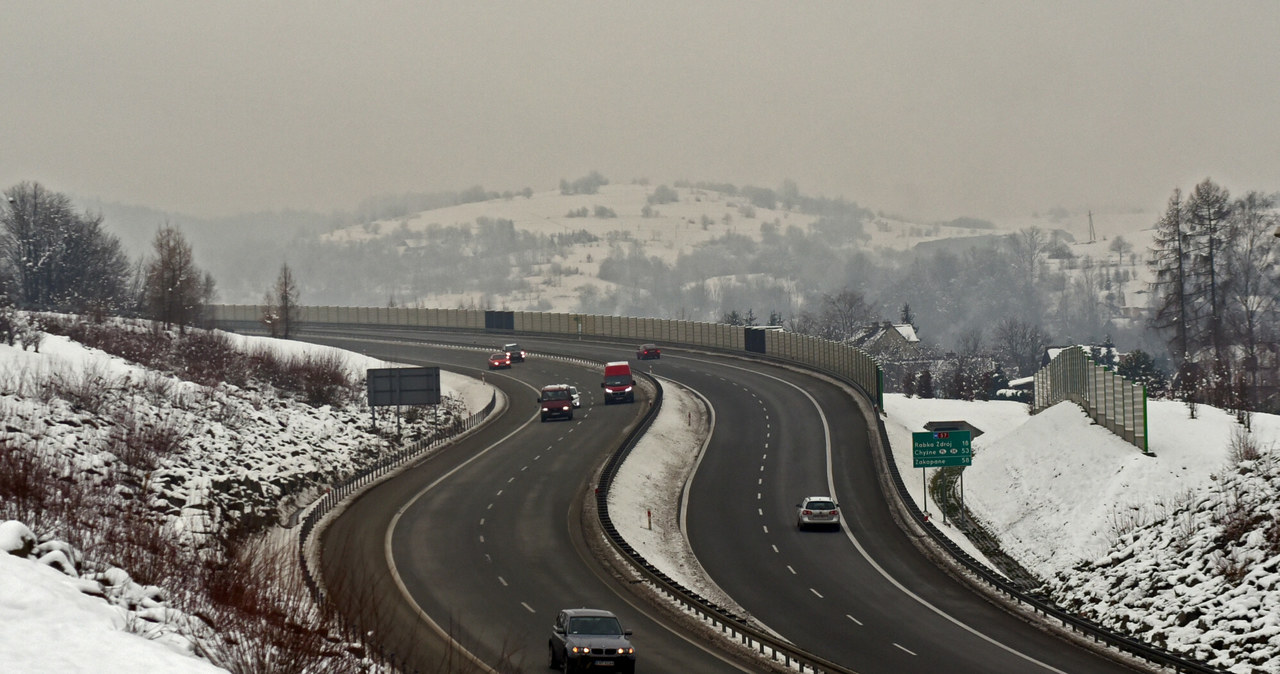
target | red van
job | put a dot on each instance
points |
(618, 383)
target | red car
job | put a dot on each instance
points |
(499, 360)
(647, 351)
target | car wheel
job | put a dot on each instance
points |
(799, 525)
(552, 663)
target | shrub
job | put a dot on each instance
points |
(89, 388)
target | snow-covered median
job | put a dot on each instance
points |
(645, 501)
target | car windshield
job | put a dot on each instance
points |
(594, 625)
(555, 395)
(617, 380)
(498, 356)
(511, 347)
(821, 505)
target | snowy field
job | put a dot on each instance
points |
(1078, 506)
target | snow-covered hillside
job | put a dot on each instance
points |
(1180, 548)
(621, 214)
(125, 473)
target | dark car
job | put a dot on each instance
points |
(517, 354)
(499, 360)
(556, 401)
(647, 351)
(590, 639)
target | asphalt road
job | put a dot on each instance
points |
(484, 537)
(862, 596)
(486, 541)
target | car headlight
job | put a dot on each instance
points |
(626, 390)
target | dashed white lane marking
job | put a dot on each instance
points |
(760, 481)
(816, 593)
(499, 493)
(523, 469)
(904, 648)
(489, 507)
(503, 581)
(528, 607)
(481, 521)
(766, 528)
(775, 548)
(793, 571)
(760, 512)
(482, 538)
(859, 622)
(510, 480)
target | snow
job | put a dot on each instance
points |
(51, 625)
(1135, 541)
(701, 216)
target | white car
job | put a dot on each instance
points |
(817, 511)
(573, 392)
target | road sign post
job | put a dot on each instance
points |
(937, 449)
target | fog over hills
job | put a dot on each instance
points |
(688, 250)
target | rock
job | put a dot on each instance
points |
(16, 539)
(58, 560)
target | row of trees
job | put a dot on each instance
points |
(1215, 265)
(53, 258)
(56, 259)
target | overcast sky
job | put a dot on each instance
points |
(929, 110)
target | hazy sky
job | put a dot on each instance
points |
(930, 110)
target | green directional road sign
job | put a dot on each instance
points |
(932, 449)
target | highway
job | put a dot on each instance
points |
(485, 539)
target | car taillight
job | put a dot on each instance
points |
(808, 512)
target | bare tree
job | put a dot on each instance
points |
(1120, 247)
(1028, 245)
(1251, 294)
(280, 314)
(175, 290)
(843, 313)
(1020, 343)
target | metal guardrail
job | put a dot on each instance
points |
(729, 625)
(371, 475)
(765, 644)
(1074, 623)
(837, 358)
(737, 627)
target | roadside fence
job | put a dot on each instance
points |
(1112, 401)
